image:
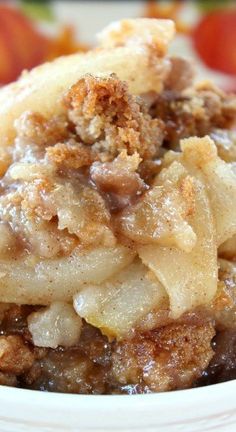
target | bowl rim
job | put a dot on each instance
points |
(165, 394)
(203, 408)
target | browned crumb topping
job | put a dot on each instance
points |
(15, 356)
(194, 112)
(166, 359)
(70, 155)
(107, 117)
(8, 380)
(34, 128)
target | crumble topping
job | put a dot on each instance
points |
(194, 112)
(108, 118)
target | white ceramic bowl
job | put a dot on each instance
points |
(203, 409)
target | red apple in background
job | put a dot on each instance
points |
(21, 45)
(214, 39)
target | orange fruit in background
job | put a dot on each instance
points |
(214, 39)
(21, 45)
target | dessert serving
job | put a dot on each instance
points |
(117, 221)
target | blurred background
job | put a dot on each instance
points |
(32, 32)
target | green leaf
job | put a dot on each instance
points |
(211, 5)
(37, 10)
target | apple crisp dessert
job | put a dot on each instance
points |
(117, 221)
